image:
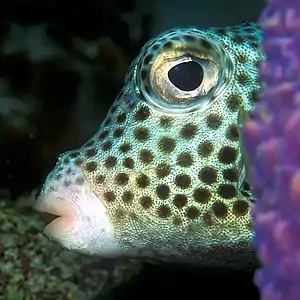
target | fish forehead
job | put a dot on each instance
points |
(170, 173)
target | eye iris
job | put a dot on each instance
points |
(186, 76)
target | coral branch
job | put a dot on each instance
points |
(272, 139)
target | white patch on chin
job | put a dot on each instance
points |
(84, 224)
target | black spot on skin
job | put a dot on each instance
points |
(74, 154)
(202, 195)
(100, 178)
(163, 192)
(208, 175)
(128, 163)
(109, 196)
(183, 181)
(234, 101)
(106, 146)
(127, 197)
(91, 152)
(120, 214)
(243, 79)
(166, 144)
(164, 211)
(185, 159)
(177, 221)
(227, 155)
(121, 179)
(219, 209)
(205, 148)
(91, 166)
(213, 121)
(146, 202)
(242, 58)
(133, 216)
(165, 121)
(180, 200)
(142, 181)
(66, 160)
(240, 208)
(163, 170)
(238, 39)
(188, 131)
(103, 135)
(125, 147)
(121, 118)
(142, 114)
(192, 212)
(230, 174)
(141, 134)
(110, 162)
(78, 161)
(118, 132)
(227, 191)
(232, 133)
(146, 156)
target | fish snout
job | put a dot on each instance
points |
(77, 217)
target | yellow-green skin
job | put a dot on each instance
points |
(166, 164)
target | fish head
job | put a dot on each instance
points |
(162, 176)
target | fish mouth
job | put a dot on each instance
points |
(48, 217)
(57, 214)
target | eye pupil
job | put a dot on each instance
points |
(186, 76)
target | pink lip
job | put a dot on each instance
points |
(58, 214)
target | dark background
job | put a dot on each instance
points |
(61, 66)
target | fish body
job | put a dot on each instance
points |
(162, 179)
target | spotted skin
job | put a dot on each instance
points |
(166, 163)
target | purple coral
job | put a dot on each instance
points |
(272, 139)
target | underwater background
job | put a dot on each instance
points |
(57, 60)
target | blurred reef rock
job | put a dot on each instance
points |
(33, 268)
(61, 66)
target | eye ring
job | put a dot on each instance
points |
(161, 83)
(213, 64)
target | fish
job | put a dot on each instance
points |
(162, 180)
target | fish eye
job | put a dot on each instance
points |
(186, 76)
(182, 81)
(177, 76)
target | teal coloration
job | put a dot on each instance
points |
(167, 163)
